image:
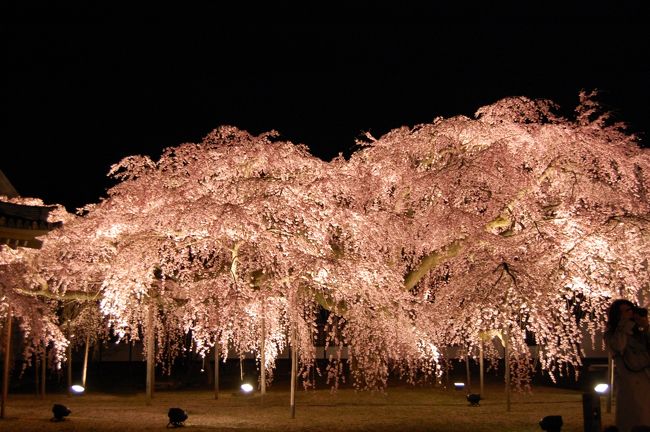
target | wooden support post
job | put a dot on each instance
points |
(610, 381)
(506, 356)
(294, 370)
(130, 358)
(481, 367)
(37, 384)
(84, 372)
(468, 373)
(69, 369)
(263, 360)
(216, 370)
(69, 362)
(150, 353)
(7, 362)
(43, 370)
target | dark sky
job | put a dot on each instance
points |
(84, 86)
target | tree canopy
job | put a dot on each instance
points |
(518, 220)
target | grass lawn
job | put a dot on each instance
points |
(400, 408)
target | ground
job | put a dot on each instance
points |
(399, 408)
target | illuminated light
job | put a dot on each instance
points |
(601, 388)
(246, 388)
(459, 385)
(77, 388)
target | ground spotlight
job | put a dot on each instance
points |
(77, 389)
(60, 412)
(177, 417)
(552, 423)
(246, 388)
(459, 385)
(601, 388)
(473, 399)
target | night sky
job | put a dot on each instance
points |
(84, 86)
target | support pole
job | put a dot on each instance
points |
(263, 360)
(150, 353)
(481, 367)
(84, 372)
(216, 370)
(69, 369)
(43, 370)
(5, 372)
(468, 373)
(506, 356)
(37, 384)
(294, 369)
(610, 379)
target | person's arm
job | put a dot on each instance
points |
(617, 340)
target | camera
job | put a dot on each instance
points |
(640, 317)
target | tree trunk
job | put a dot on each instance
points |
(7, 363)
(294, 370)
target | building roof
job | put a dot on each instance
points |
(6, 188)
(20, 224)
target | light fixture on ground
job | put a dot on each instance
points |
(459, 385)
(552, 423)
(601, 388)
(473, 399)
(78, 389)
(177, 417)
(60, 412)
(246, 388)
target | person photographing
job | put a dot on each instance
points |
(628, 339)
